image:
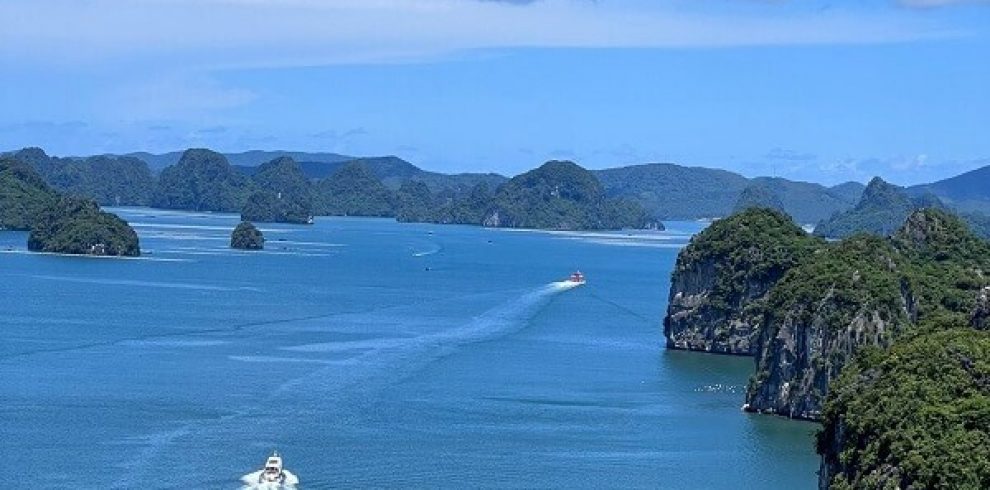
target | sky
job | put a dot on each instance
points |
(823, 91)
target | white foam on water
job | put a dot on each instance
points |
(197, 227)
(173, 343)
(565, 285)
(312, 244)
(349, 345)
(251, 482)
(150, 284)
(95, 257)
(268, 359)
(632, 243)
(425, 253)
(388, 360)
(385, 362)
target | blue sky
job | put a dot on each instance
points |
(811, 90)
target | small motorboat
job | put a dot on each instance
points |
(273, 472)
(576, 278)
(272, 476)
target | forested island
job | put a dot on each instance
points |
(57, 223)
(880, 338)
(77, 226)
(246, 236)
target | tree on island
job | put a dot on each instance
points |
(247, 237)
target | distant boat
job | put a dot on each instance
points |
(309, 220)
(576, 278)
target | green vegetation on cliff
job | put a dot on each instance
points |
(722, 277)
(560, 195)
(948, 265)
(863, 292)
(247, 237)
(77, 226)
(862, 272)
(23, 195)
(202, 180)
(757, 245)
(845, 296)
(917, 416)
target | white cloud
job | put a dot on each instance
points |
(176, 96)
(939, 3)
(208, 33)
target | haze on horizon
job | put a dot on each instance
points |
(819, 91)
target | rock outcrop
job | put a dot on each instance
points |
(848, 297)
(863, 293)
(980, 317)
(247, 237)
(722, 277)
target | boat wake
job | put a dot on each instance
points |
(426, 253)
(252, 481)
(386, 362)
(565, 285)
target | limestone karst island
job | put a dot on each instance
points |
(432, 244)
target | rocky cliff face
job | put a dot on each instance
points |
(980, 317)
(802, 353)
(850, 296)
(696, 320)
(862, 293)
(723, 275)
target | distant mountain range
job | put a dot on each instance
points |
(670, 191)
(966, 192)
(883, 209)
(665, 190)
(158, 161)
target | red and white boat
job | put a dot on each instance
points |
(576, 278)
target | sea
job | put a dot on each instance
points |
(371, 354)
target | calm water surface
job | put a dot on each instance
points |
(371, 354)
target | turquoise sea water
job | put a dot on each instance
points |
(371, 354)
